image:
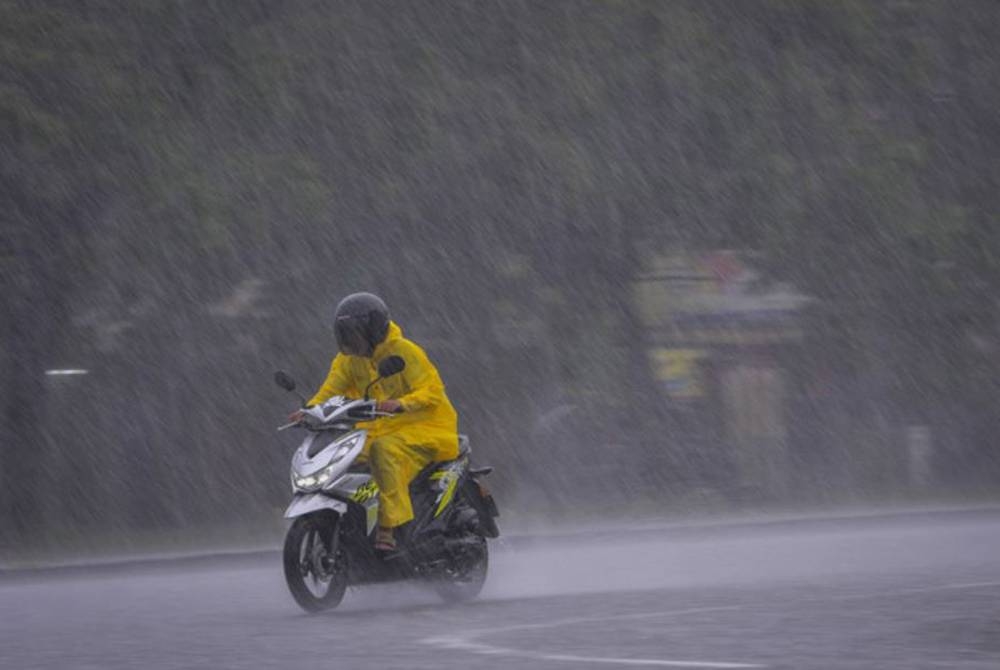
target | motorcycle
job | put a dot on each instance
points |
(334, 510)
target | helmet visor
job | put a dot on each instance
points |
(351, 336)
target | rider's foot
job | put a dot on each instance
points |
(385, 539)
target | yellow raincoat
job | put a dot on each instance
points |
(402, 445)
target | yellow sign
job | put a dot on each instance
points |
(679, 372)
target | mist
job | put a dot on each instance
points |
(670, 259)
(711, 284)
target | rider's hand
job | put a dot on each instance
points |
(391, 406)
(296, 416)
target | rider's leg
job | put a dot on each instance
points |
(394, 464)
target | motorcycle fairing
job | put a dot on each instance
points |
(360, 488)
(313, 502)
(315, 451)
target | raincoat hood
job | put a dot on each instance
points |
(393, 335)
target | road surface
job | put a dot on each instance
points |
(901, 592)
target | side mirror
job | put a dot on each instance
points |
(284, 380)
(390, 366)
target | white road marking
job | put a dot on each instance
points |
(969, 585)
(467, 642)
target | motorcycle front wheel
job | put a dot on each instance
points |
(315, 563)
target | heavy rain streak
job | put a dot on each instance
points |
(712, 286)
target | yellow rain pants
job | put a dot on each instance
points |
(394, 464)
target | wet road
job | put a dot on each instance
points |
(908, 592)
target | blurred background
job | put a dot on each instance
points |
(670, 258)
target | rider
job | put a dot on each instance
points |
(425, 428)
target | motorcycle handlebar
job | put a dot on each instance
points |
(369, 411)
(362, 413)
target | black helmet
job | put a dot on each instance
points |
(360, 324)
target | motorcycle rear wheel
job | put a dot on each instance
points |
(463, 579)
(315, 565)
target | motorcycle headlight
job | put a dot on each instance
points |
(317, 479)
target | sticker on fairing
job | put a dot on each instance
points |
(448, 481)
(365, 492)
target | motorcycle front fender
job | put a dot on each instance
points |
(313, 502)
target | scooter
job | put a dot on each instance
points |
(334, 509)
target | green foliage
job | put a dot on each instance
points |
(171, 162)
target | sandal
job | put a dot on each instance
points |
(385, 539)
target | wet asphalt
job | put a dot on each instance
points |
(886, 592)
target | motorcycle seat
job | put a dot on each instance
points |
(423, 477)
